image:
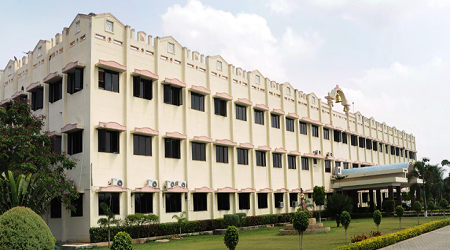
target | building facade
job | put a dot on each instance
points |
(157, 128)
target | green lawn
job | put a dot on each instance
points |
(269, 238)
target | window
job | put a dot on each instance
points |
(354, 140)
(198, 151)
(303, 128)
(55, 91)
(112, 200)
(108, 80)
(276, 160)
(293, 198)
(75, 142)
(75, 81)
(219, 65)
(108, 141)
(260, 158)
(223, 201)
(344, 138)
(355, 165)
(173, 202)
(386, 149)
(375, 146)
(315, 131)
(262, 200)
(172, 148)
(220, 107)
(200, 201)
(77, 26)
(241, 112)
(244, 201)
(279, 200)
(221, 154)
(172, 95)
(242, 155)
(327, 166)
(292, 162)
(337, 136)
(37, 99)
(142, 145)
(326, 134)
(368, 144)
(142, 88)
(143, 203)
(289, 125)
(381, 147)
(257, 79)
(197, 102)
(259, 117)
(392, 150)
(365, 197)
(57, 145)
(275, 120)
(305, 163)
(362, 142)
(78, 204)
(170, 47)
(397, 151)
(345, 165)
(55, 208)
(401, 152)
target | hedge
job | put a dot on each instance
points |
(389, 239)
(100, 234)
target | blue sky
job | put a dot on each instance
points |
(392, 58)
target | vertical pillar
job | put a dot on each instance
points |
(391, 192)
(354, 196)
(379, 199)
(399, 196)
(371, 201)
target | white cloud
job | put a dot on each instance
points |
(244, 40)
(283, 7)
(409, 98)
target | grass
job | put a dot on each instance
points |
(269, 238)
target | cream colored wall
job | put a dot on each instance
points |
(92, 105)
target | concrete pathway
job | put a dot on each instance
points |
(437, 239)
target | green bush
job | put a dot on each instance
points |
(345, 220)
(389, 239)
(231, 220)
(231, 237)
(443, 204)
(22, 228)
(122, 241)
(377, 218)
(389, 206)
(336, 204)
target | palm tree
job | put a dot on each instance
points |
(180, 219)
(24, 191)
(336, 204)
(418, 172)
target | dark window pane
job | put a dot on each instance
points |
(173, 202)
(143, 203)
(244, 201)
(78, 204)
(55, 208)
(262, 200)
(223, 201)
(112, 200)
(200, 201)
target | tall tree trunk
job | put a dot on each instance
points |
(346, 235)
(418, 219)
(109, 236)
(378, 228)
(301, 240)
(320, 218)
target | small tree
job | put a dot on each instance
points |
(431, 206)
(377, 218)
(300, 224)
(399, 211)
(110, 219)
(319, 198)
(336, 204)
(231, 237)
(417, 207)
(443, 204)
(180, 219)
(389, 206)
(345, 220)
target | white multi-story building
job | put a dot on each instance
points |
(157, 128)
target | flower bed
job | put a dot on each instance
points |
(389, 239)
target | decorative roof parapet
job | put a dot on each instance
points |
(224, 96)
(146, 73)
(145, 131)
(201, 90)
(226, 142)
(262, 107)
(111, 126)
(176, 135)
(71, 66)
(278, 111)
(246, 145)
(202, 138)
(244, 101)
(293, 115)
(175, 81)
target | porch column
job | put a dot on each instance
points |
(391, 192)
(399, 195)
(379, 199)
(371, 200)
(354, 196)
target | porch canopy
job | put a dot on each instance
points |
(374, 177)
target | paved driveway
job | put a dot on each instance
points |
(437, 239)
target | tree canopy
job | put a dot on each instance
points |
(24, 149)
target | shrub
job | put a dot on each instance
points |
(231, 220)
(22, 228)
(122, 241)
(389, 206)
(443, 204)
(377, 218)
(300, 224)
(231, 237)
(417, 207)
(358, 238)
(399, 211)
(345, 220)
